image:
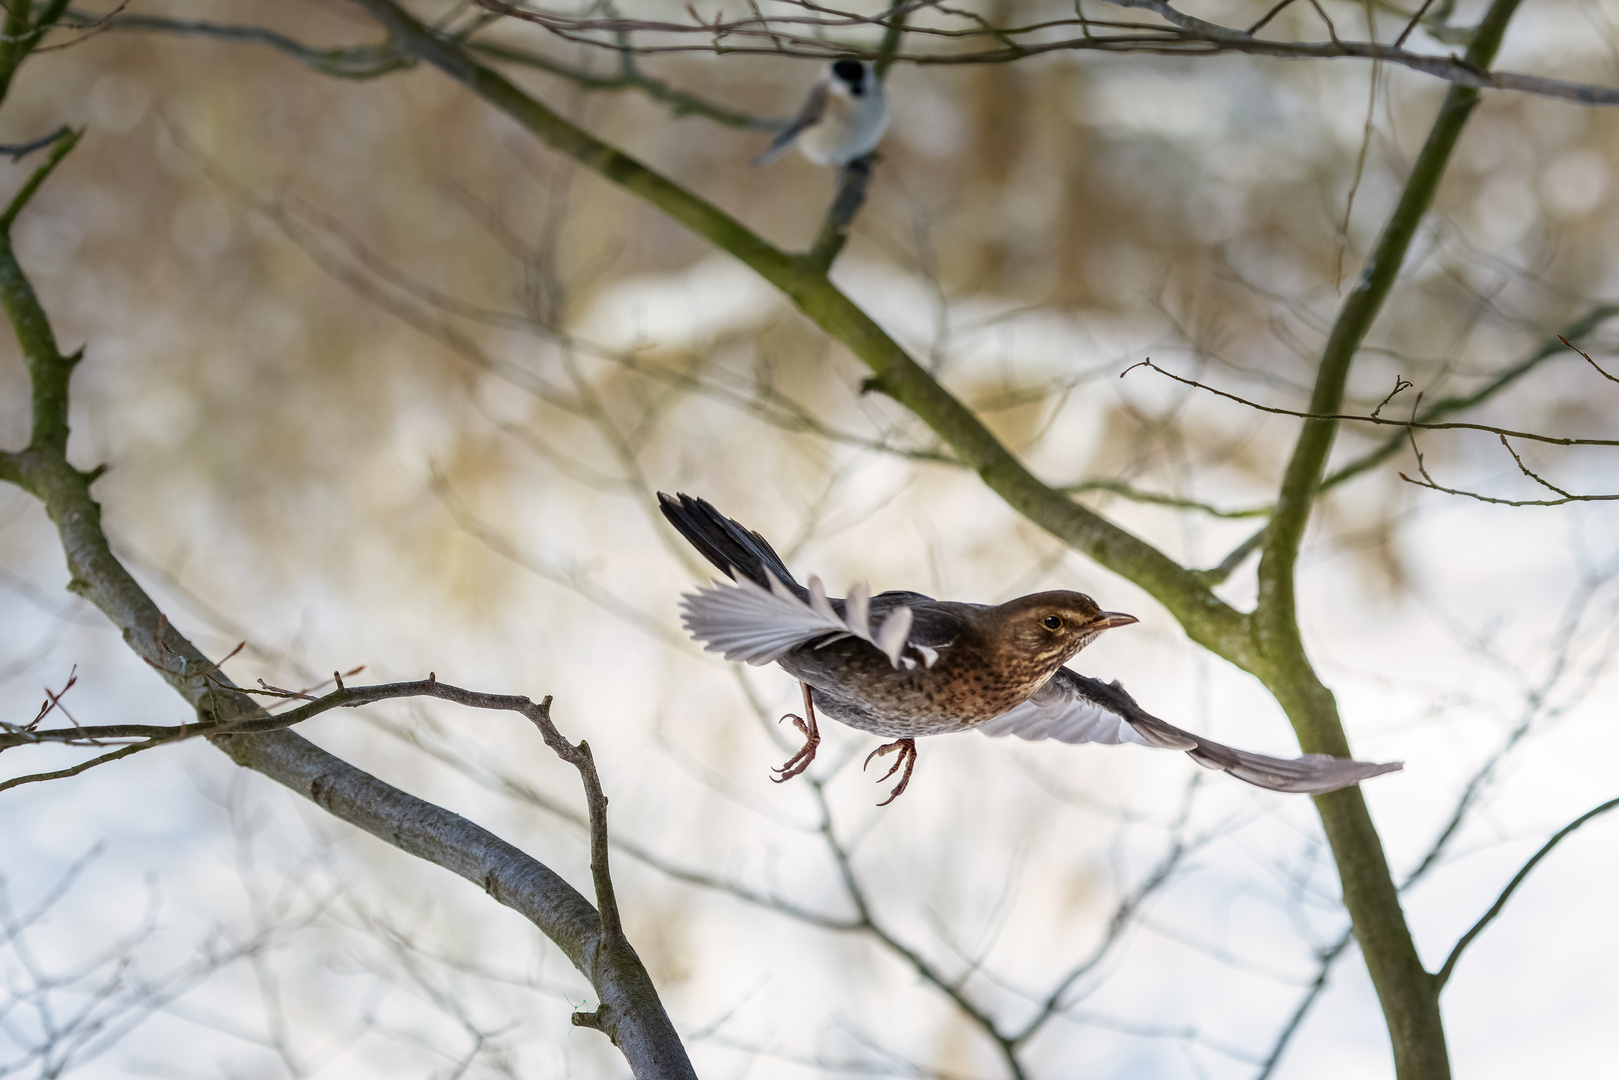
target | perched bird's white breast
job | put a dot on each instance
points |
(850, 128)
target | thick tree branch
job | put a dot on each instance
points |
(1301, 481)
(1404, 988)
(630, 1012)
(1206, 618)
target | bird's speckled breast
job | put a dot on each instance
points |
(855, 684)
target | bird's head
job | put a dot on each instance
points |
(1045, 629)
(849, 76)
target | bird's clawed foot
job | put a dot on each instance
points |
(812, 740)
(907, 758)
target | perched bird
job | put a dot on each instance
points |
(903, 665)
(842, 120)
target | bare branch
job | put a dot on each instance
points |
(1206, 617)
(1134, 494)
(1446, 406)
(1296, 1020)
(1588, 360)
(1427, 481)
(631, 1012)
(1442, 976)
(351, 62)
(17, 151)
(1372, 418)
(822, 33)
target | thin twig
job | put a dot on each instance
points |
(1412, 25)
(1268, 16)
(1442, 976)
(1285, 1036)
(1356, 417)
(64, 145)
(17, 151)
(1588, 360)
(1427, 481)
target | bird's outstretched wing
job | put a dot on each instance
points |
(814, 108)
(746, 622)
(1073, 708)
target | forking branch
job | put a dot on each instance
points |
(1111, 547)
(591, 937)
(1267, 642)
(968, 38)
(821, 34)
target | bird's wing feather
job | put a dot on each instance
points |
(726, 542)
(814, 108)
(1073, 708)
(1062, 710)
(745, 622)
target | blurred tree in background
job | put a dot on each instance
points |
(393, 319)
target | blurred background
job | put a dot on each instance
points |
(383, 382)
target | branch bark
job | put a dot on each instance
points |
(1406, 991)
(630, 1012)
(1266, 643)
(1206, 618)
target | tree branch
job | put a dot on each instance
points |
(1442, 976)
(1206, 618)
(822, 34)
(343, 62)
(631, 1013)
(1428, 414)
(1373, 418)
(1404, 989)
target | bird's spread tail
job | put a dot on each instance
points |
(728, 544)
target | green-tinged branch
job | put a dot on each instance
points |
(48, 370)
(1302, 479)
(1206, 618)
(1405, 990)
(1428, 414)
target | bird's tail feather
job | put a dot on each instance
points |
(728, 544)
(1312, 774)
(775, 151)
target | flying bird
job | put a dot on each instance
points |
(903, 665)
(843, 118)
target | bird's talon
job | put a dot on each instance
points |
(907, 759)
(800, 761)
(798, 722)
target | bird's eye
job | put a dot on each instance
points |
(1052, 622)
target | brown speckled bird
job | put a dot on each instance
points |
(903, 665)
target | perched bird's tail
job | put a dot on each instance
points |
(728, 544)
(779, 148)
